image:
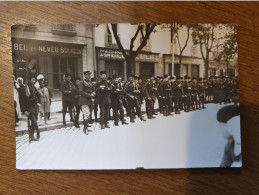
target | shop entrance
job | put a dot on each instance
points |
(146, 69)
(113, 67)
(195, 71)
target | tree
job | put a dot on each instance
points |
(181, 48)
(228, 47)
(204, 35)
(144, 30)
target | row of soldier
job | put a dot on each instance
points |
(174, 94)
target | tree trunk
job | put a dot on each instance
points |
(207, 66)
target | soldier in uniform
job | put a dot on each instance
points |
(177, 90)
(67, 89)
(32, 105)
(130, 95)
(165, 91)
(86, 91)
(147, 94)
(194, 94)
(201, 92)
(77, 95)
(103, 88)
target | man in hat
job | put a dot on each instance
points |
(201, 87)
(117, 95)
(177, 90)
(86, 91)
(148, 92)
(67, 89)
(77, 95)
(32, 105)
(103, 88)
(164, 91)
(194, 94)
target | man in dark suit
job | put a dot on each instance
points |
(86, 91)
(67, 88)
(103, 88)
(32, 104)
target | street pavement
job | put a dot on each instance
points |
(186, 140)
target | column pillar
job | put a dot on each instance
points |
(137, 68)
(189, 70)
(125, 70)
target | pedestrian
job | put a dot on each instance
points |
(104, 98)
(86, 91)
(32, 105)
(16, 101)
(44, 100)
(67, 88)
(21, 91)
(46, 83)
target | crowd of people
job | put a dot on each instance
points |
(117, 99)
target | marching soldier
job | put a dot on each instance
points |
(103, 88)
(86, 91)
(67, 89)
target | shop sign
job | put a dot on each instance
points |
(109, 53)
(45, 48)
(143, 56)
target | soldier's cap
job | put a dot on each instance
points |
(139, 78)
(77, 78)
(87, 72)
(172, 77)
(114, 76)
(109, 78)
(40, 76)
(215, 77)
(135, 77)
(193, 78)
(178, 77)
(67, 75)
(131, 75)
(165, 76)
(185, 77)
(102, 72)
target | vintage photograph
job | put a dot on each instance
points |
(126, 96)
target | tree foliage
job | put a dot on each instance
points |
(144, 30)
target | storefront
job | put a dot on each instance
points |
(147, 63)
(51, 59)
(190, 66)
(110, 60)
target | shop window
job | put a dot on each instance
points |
(195, 71)
(212, 71)
(61, 66)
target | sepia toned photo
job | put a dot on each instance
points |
(126, 96)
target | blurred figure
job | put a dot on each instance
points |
(21, 91)
(16, 101)
(46, 84)
(229, 130)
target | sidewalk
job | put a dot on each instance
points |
(56, 121)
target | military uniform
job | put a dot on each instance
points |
(177, 89)
(32, 107)
(86, 91)
(165, 90)
(117, 95)
(103, 88)
(67, 89)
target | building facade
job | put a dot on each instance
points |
(52, 50)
